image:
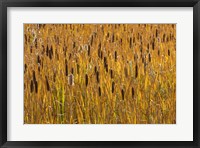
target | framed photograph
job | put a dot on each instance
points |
(99, 73)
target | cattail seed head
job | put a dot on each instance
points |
(88, 50)
(115, 56)
(47, 84)
(111, 73)
(149, 57)
(36, 87)
(47, 51)
(34, 77)
(113, 87)
(77, 68)
(136, 71)
(66, 69)
(133, 92)
(126, 72)
(86, 80)
(99, 91)
(122, 92)
(168, 52)
(32, 86)
(97, 76)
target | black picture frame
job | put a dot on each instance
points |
(4, 4)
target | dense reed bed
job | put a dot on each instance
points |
(99, 74)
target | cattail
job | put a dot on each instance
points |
(164, 37)
(95, 69)
(47, 83)
(25, 67)
(115, 56)
(113, 38)
(36, 87)
(66, 69)
(111, 73)
(86, 80)
(113, 87)
(34, 77)
(38, 59)
(71, 79)
(47, 51)
(25, 37)
(158, 52)
(106, 67)
(168, 52)
(149, 57)
(101, 54)
(54, 77)
(88, 50)
(126, 71)
(136, 71)
(131, 42)
(32, 86)
(99, 50)
(77, 67)
(153, 45)
(122, 91)
(36, 43)
(91, 41)
(156, 33)
(133, 92)
(99, 91)
(97, 76)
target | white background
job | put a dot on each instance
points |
(181, 131)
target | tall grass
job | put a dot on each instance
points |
(99, 73)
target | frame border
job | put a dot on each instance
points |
(99, 3)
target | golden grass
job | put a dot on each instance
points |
(99, 73)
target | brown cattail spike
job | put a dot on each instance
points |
(47, 84)
(126, 71)
(86, 80)
(88, 50)
(32, 86)
(149, 57)
(36, 87)
(115, 56)
(122, 91)
(99, 91)
(136, 71)
(97, 76)
(111, 73)
(95, 69)
(66, 69)
(133, 92)
(47, 51)
(168, 52)
(34, 77)
(113, 87)
(77, 67)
